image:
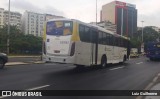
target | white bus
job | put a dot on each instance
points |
(81, 44)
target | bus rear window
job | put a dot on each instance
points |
(59, 28)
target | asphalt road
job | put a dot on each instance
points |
(135, 74)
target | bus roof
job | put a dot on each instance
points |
(90, 25)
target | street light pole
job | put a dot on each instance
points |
(8, 28)
(96, 12)
(142, 31)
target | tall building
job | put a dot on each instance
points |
(122, 14)
(32, 23)
(15, 18)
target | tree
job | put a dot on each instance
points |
(149, 35)
(20, 43)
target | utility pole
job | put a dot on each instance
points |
(142, 31)
(8, 28)
(96, 12)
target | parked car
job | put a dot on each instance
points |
(134, 54)
(3, 60)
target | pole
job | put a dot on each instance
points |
(142, 31)
(96, 12)
(8, 28)
(122, 23)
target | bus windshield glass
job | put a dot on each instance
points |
(59, 28)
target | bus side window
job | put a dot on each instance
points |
(104, 38)
(94, 35)
(111, 40)
(100, 38)
(82, 32)
(87, 34)
(107, 39)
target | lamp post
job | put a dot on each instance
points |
(8, 28)
(96, 12)
(142, 31)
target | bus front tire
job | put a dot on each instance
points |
(124, 59)
(103, 61)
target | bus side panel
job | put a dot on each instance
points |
(109, 53)
(83, 53)
(44, 44)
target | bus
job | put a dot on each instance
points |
(153, 50)
(74, 42)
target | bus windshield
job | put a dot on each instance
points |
(59, 28)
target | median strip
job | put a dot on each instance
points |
(23, 63)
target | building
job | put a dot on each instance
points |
(1, 17)
(108, 26)
(50, 16)
(15, 18)
(123, 15)
(32, 23)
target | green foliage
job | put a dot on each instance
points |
(135, 42)
(20, 43)
(149, 34)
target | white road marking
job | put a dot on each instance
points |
(40, 87)
(117, 68)
(139, 63)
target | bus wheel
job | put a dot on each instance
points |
(124, 59)
(103, 61)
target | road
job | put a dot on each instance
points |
(135, 74)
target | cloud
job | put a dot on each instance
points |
(23, 5)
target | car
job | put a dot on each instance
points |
(134, 54)
(3, 60)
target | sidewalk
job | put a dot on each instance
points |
(156, 86)
(23, 63)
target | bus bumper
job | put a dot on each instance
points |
(58, 59)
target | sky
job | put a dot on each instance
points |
(85, 10)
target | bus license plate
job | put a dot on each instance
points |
(56, 51)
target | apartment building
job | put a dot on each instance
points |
(15, 18)
(33, 23)
(1, 17)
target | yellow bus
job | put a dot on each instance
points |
(74, 42)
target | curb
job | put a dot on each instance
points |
(23, 63)
(24, 56)
(154, 82)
